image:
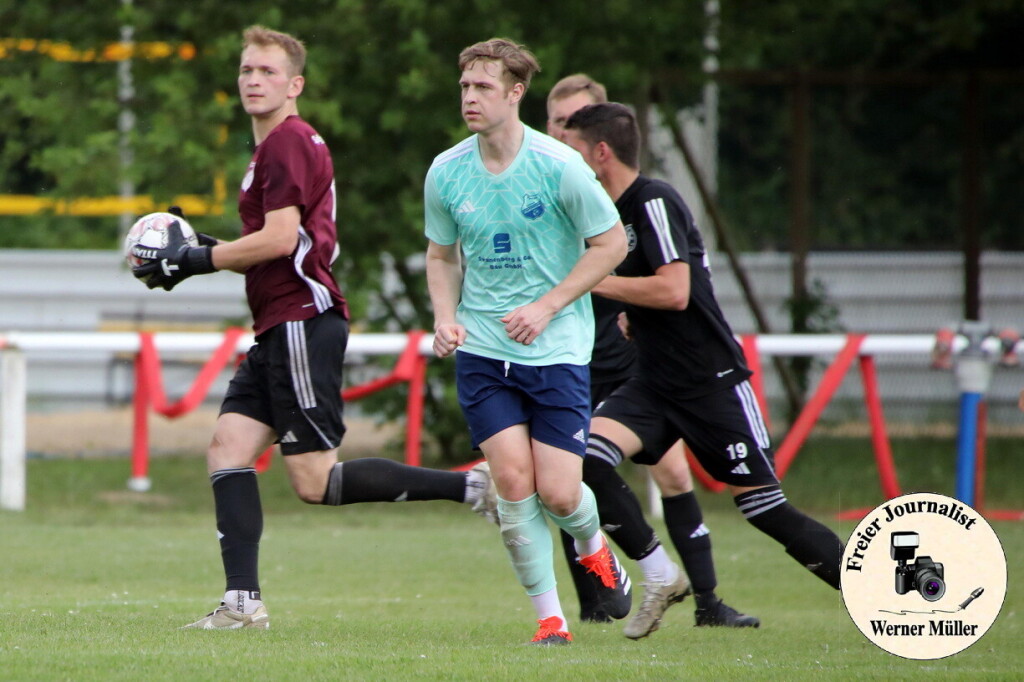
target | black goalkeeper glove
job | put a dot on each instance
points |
(204, 239)
(175, 262)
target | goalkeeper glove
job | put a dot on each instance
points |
(173, 263)
(204, 239)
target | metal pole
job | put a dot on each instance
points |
(710, 67)
(13, 395)
(126, 124)
(973, 371)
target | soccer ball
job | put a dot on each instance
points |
(150, 231)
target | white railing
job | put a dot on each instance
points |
(16, 346)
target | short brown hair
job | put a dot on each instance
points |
(261, 36)
(578, 82)
(611, 123)
(519, 62)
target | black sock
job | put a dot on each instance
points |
(236, 497)
(692, 540)
(811, 543)
(621, 514)
(375, 479)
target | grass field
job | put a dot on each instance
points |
(94, 582)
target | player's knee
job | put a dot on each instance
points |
(310, 489)
(513, 482)
(672, 474)
(219, 455)
(672, 486)
(561, 500)
(310, 494)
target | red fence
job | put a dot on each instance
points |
(411, 368)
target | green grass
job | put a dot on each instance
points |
(94, 582)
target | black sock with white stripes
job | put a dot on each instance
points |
(692, 539)
(811, 543)
(376, 479)
(622, 517)
(236, 497)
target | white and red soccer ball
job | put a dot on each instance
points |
(150, 232)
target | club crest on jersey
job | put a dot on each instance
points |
(630, 238)
(532, 207)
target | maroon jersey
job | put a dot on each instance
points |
(292, 167)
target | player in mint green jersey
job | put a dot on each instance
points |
(535, 231)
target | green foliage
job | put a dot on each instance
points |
(886, 160)
(381, 88)
(812, 313)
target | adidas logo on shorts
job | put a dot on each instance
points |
(580, 436)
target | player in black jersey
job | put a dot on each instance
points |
(612, 362)
(692, 381)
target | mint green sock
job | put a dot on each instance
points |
(583, 525)
(527, 539)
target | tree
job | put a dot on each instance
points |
(381, 88)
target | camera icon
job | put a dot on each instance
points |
(923, 575)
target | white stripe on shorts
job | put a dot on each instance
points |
(299, 363)
(752, 411)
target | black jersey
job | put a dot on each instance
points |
(687, 353)
(614, 356)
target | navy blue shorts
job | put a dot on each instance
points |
(553, 400)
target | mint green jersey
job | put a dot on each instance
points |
(521, 232)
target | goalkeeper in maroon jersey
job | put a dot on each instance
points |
(288, 389)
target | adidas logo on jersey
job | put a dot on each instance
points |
(467, 207)
(580, 436)
(741, 468)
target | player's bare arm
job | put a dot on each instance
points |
(667, 289)
(604, 252)
(277, 239)
(444, 282)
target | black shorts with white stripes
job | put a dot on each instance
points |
(291, 381)
(724, 429)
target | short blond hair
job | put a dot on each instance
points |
(578, 82)
(520, 64)
(261, 36)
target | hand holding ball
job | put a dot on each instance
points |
(162, 249)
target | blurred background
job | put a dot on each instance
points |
(855, 166)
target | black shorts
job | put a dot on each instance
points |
(724, 430)
(291, 381)
(604, 381)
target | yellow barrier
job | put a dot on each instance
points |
(24, 204)
(111, 52)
